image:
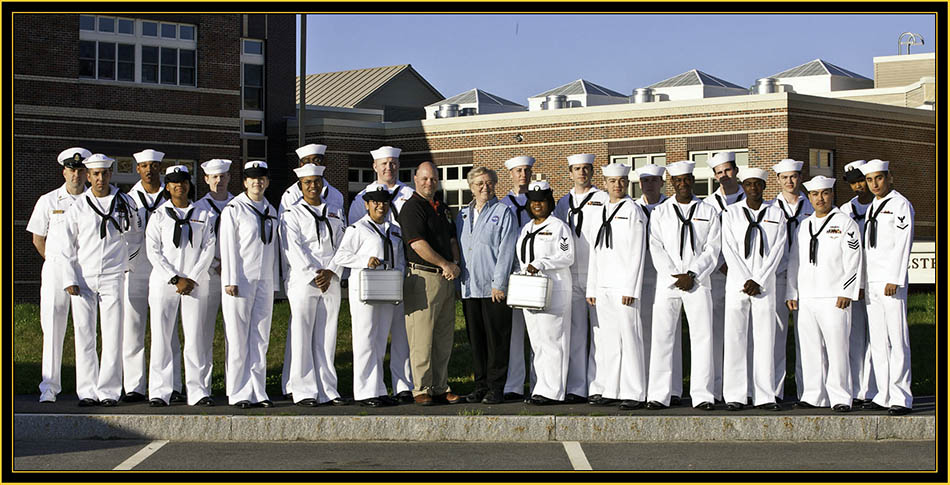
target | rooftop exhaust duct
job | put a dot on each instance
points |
(643, 95)
(556, 101)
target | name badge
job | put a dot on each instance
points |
(593, 202)
(58, 211)
(546, 233)
(771, 222)
(700, 220)
(198, 221)
(622, 217)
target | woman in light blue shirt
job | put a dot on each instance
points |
(487, 232)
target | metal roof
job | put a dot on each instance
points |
(580, 87)
(818, 67)
(346, 89)
(694, 77)
(477, 96)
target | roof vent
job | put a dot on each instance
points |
(556, 101)
(448, 111)
(766, 85)
(468, 112)
(643, 95)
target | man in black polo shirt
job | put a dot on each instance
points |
(429, 292)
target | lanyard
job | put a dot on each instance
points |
(388, 253)
(107, 217)
(518, 208)
(791, 220)
(149, 209)
(317, 219)
(264, 220)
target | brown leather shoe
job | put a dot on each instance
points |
(453, 398)
(424, 400)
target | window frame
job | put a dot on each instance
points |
(815, 170)
(633, 189)
(702, 172)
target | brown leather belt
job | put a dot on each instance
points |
(429, 269)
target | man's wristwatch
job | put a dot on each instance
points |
(691, 274)
(174, 280)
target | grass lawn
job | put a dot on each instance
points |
(28, 351)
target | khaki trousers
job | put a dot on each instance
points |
(430, 324)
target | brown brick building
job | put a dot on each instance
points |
(193, 86)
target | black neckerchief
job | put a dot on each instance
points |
(392, 204)
(149, 209)
(605, 233)
(388, 253)
(722, 205)
(186, 221)
(217, 220)
(749, 235)
(686, 225)
(107, 217)
(575, 211)
(791, 220)
(855, 214)
(264, 220)
(318, 218)
(518, 208)
(527, 244)
(646, 213)
(871, 226)
(813, 245)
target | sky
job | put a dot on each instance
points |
(518, 56)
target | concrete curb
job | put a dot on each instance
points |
(474, 428)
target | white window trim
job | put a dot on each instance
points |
(826, 171)
(459, 185)
(252, 58)
(627, 160)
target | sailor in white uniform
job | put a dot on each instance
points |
(519, 168)
(723, 165)
(370, 242)
(796, 208)
(651, 177)
(386, 166)
(824, 276)
(863, 386)
(684, 244)
(311, 232)
(620, 243)
(308, 154)
(180, 244)
(580, 208)
(48, 225)
(753, 242)
(545, 245)
(888, 236)
(217, 176)
(103, 227)
(248, 234)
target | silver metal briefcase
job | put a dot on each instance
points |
(529, 292)
(381, 285)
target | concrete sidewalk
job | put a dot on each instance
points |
(511, 422)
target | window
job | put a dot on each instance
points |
(254, 87)
(454, 183)
(124, 176)
(112, 48)
(706, 183)
(253, 47)
(635, 162)
(821, 162)
(254, 126)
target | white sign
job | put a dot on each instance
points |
(923, 263)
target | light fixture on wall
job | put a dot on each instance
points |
(519, 138)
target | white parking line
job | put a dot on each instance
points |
(576, 455)
(141, 455)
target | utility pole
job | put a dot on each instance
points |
(302, 107)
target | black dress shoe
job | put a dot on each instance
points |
(630, 404)
(770, 406)
(340, 401)
(205, 401)
(898, 410)
(606, 401)
(87, 402)
(706, 406)
(405, 397)
(804, 405)
(267, 403)
(872, 406)
(289, 396)
(157, 403)
(654, 405)
(592, 399)
(734, 406)
(309, 402)
(513, 396)
(243, 404)
(857, 403)
(372, 402)
(675, 401)
(539, 400)
(178, 397)
(476, 396)
(108, 403)
(841, 408)
(493, 398)
(574, 399)
(133, 397)
(389, 401)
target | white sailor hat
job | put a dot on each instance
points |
(73, 157)
(855, 165)
(148, 156)
(819, 182)
(580, 158)
(98, 160)
(177, 173)
(651, 170)
(539, 190)
(615, 170)
(385, 152)
(255, 168)
(681, 167)
(311, 149)
(519, 161)
(721, 158)
(788, 165)
(874, 166)
(216, 165)
(753, 173)
(377, 192)
(310, 170)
